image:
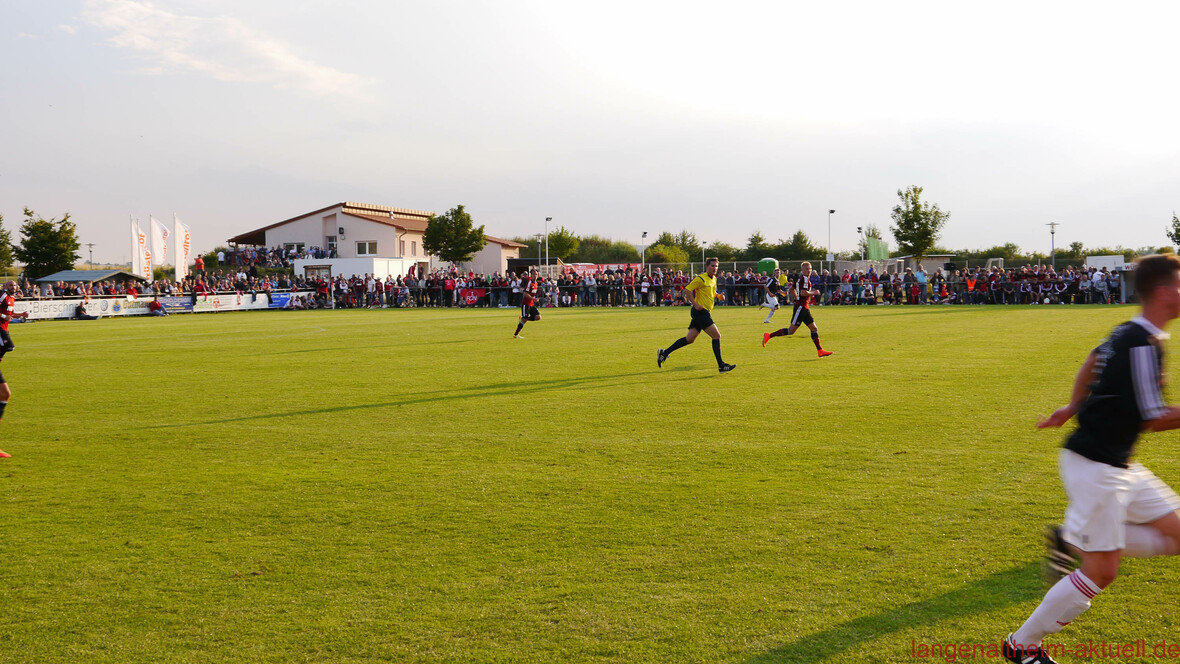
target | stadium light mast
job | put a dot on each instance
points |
(90, 246)
(538, 236)
(547, 220)
(1052, 244)
(830, 213)
(863, 244)
(643, 253)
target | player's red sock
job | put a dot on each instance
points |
(781, 332)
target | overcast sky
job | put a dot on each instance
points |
(611, 117)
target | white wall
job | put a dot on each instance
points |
(492, 258)
(346, 267)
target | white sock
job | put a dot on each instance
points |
(1145, 542)
(1065, 601)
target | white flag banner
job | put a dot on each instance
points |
(160, 235)
(182, 239)
(136, 253)
(145, 254)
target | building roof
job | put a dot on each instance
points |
(89, 276)
(405, 218)
(506, 243)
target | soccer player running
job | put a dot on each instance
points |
(528, 305)
(7, 313)
(774, 288)
(701, 293)
(1117, 508)
(802, 292)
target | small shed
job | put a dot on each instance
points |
(88, 277)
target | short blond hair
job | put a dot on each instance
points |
(805, 263)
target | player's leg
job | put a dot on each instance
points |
(6, 344)
(785, 331)
(715, 334)
(524, 317)
(1096, 519)
(1154, 528)
(687, 339)
(5, 394)
(815, 340)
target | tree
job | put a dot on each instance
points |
(688, 242)
(6, 258)
(798, 248)
(453, 236)
(562, 243)
(724, 251)
(672, 255)
(47, 245)
(756, 247)
(917, 223)
(1174, 234)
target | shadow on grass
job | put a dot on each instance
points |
(1011, 586)
(474, 392)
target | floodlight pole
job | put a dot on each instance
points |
(538, 236)
(1052, 244)
(830, 213)
(547, 220)
(90, 246)
(643, 253)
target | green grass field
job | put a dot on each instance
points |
(417, 486)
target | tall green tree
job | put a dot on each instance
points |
(598, 249)
(47, 245)
(562, 243)
(1174, 232)
(673, 256)
(6, 257)
(757, 247)
(725, 251)
(916, 223)
(453, 237)
(688, 242)
(799, 248)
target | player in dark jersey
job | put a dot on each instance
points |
(774, 289)
(1117, 508)
(7, 313)
(528, 304)
(802, 292)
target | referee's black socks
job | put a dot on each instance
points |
(679, 343)
(717, 351)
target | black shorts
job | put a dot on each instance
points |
(529, 312)
(801, 316)
(702, 319)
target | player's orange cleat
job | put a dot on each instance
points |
(765, 338)
(824, 353)
(5, 455)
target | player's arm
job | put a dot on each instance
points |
(690, 295)
(1081, 390)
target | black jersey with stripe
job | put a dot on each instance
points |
(1126, 392)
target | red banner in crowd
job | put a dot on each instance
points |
(471, 295)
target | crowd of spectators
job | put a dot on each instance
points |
(624, 287)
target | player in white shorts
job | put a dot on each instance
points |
(774, 288)
(1117, 508)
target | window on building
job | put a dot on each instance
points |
(401, 248)
(297, 246)
(366, 248)
(413, 248)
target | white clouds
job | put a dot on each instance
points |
(222, 48)
(68, 29)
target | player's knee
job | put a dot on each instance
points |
(5, 392)
(1102, 571)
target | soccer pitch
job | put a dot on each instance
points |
(417, 486)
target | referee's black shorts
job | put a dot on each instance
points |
(701, 319)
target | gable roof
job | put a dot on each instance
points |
(506, 243)
(405, 218)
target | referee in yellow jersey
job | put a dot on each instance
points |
(701, 293)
